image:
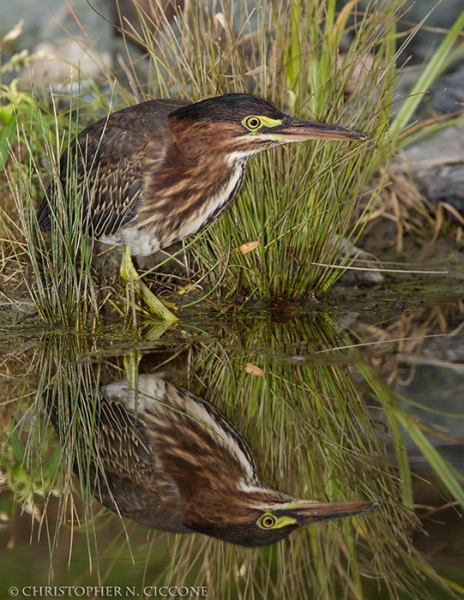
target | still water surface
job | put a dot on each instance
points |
(335, 406)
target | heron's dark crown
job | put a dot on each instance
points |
(230, 107)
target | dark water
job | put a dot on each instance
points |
(316, 392)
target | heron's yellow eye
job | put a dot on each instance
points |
(252, 123)
(267, 521)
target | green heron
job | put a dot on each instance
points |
(170, 460)
(158, 172)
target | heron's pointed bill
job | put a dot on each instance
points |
(296, 130)
(310, 512)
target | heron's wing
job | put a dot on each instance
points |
(106, 167)
(113, 453)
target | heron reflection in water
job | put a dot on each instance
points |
(168, 459)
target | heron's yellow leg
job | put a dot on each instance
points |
(129, 274)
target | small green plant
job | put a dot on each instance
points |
(16, 105)
(25, 476)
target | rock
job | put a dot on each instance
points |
(438, 167)
(56, 62)
(447, 94)
(54, 22)
(439, 18)
(125, 14)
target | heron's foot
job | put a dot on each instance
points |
(129, 274)
(186, 289)
(156, 306)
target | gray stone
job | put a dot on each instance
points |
(51, 30)
(438, 167)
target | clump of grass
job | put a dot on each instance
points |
(60, 285)
(51, 271)
(300, 203)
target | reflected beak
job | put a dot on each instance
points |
(296, 130)
(310, 512)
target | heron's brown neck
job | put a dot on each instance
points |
(189, 185)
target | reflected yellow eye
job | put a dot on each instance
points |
(267, 521)
(252, 123)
